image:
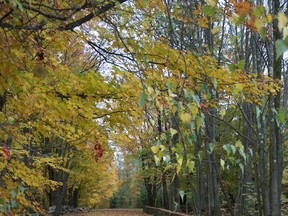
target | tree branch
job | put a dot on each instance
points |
(91, 15)
(70, 26)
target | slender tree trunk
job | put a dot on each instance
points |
(174, 200)
(165, 199)
(211, 162)
(276, 143)
(245, 191)
(200, 194)
(174, 203)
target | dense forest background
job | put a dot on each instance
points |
(171, 103)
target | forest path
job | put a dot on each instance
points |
(111, 212)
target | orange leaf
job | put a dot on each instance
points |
(6, 152)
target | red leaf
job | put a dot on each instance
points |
(98, 150)
(6, 153)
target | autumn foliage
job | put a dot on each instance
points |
(181, 92)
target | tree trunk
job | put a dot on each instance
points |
(174, 199)
(165, 200)
(276, 143)
(213, 201)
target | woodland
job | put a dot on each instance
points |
(176, 104)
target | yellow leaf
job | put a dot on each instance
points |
(238, 144)
(190, 165)
(179, 159)
(203, 22)
(285, 32)
(222, 113)
(155, 149)
(150, 90)
(185, 117)
(222, 162)
(157, 160)
(213, 3)
(193, 108)
(282, 21)
(234, 18)
(162, 147)
(178, 168)
(173, 132)
(216, 29)
(238, 88)
(269, 18)
(130, 49)
(259, 24)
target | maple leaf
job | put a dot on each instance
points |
(6, 152)
(98, 151)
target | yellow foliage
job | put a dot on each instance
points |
(95, 181)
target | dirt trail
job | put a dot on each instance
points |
(111, 212)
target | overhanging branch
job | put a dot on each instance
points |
(91, 15)
(70, 26)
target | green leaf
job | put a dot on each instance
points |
(281, 47)
(259, 11)
(117, 3)
(16, 15)
(14, 193)
(182, 194)
(142, 100)
(201, 156)
(11, 120)
(157, 160)
(178, 149)
(281, 116)
(190, 139)
(13, 203)
(241, 64)
(180, 106)
(191, 165)
(231, 67)
(171, 94)
(170, 85)
(18, 4)
(233, 149)
(250, 151)
(3, 209)
(242, 168)
(21, 188)
(173, 131)
(211, 147)
(263, 32)
(242, 153)
(215, 82)
(196, 99)
(258, 111)
(179, 158)
(199, 121)
(227, 148)
(208, 10)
